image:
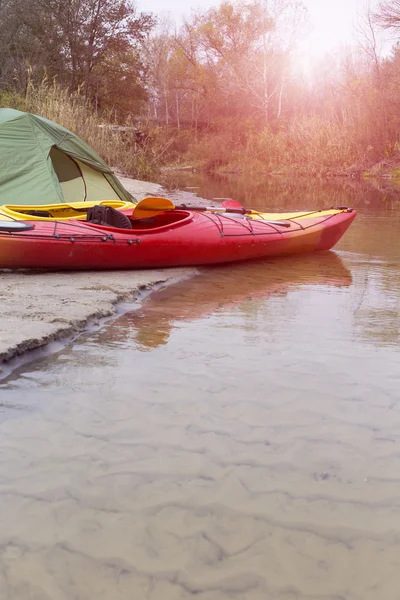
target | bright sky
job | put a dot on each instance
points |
(332, 25)
(331, 22)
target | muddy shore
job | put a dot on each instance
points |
(38, 308)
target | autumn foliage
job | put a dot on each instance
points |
(224, 91)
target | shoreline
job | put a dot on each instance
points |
(384, 172)
(39, 308)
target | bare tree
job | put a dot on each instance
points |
(157, 48)
(367, 38)
(388, 15)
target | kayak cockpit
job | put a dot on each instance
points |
(162, 220)
(51, 212)
(115, 219)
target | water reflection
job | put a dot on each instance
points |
(235, 286)
(296, 194)
(376, 317)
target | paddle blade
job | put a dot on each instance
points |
(232, 204)
(151, 206)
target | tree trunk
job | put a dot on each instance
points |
(278, 114)
(166, 105)
(178, 124)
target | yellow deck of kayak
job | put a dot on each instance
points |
(281, 216)
(59, 212)
(78, 210)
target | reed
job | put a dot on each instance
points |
(309, 145)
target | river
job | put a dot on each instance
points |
(234, 437)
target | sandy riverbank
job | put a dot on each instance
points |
(38, 308)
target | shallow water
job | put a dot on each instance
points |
(236, 437)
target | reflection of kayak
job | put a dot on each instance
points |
(52, 212)
(174, 238)
(220, 288)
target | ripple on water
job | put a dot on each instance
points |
(233, 438)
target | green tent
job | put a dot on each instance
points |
(44, 163)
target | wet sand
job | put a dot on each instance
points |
(38, 308)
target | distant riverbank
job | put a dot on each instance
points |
(386, 171)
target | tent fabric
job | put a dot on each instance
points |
(89, 186)
(41, 162)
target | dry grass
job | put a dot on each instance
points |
(51, 100)
(309, 145)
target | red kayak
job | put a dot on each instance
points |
(169, 239)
